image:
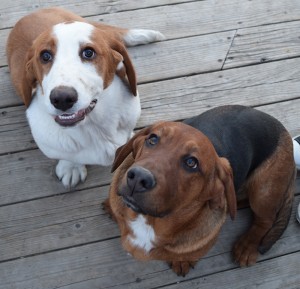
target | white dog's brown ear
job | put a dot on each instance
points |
(118, 47)
(224, 186)
(123, 151)
(30, 77)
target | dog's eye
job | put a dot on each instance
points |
(191, 163)
(152, 140)
(88, 53)
(46, 56)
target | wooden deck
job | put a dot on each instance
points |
(216, 52)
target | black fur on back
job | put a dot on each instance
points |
(243, 135)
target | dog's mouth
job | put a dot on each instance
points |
(130, 203)
(71, 119)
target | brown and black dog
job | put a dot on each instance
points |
(176, 181)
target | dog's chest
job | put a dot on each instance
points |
(143, 235)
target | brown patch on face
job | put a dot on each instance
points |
(110, 52)
(36, 67)
(105, 61)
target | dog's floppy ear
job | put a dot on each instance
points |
(118, 47)
(30, 77)
(224, 186)
(124, 150)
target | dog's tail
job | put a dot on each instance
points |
(282, 218)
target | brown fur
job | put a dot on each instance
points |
(187, 210)
(30, 35)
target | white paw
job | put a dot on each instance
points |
(142, 36)
(70, 174)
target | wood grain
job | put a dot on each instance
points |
(216, 52)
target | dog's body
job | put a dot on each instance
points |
(79, 85)
(175, 183)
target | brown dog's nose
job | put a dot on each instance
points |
(140, 180)
(63, 97)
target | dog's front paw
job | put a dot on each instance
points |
(245, 252)
(70, 174)
(181, 268)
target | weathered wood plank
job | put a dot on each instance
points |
(182, 20)
(203, 17)
(181, 57)
(105, 264)
(253, 86)
(54, 223)
(282, 272)
(184, 97)
(8, 95)
(30, 175)
(263, 44)
(14, 130)
(12, 11)
(186, 19)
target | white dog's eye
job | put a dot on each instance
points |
(88, 53)
(46, 56)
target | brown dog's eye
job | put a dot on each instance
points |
(46, 56)
(88, 53)
(152, 140)
(191, 163)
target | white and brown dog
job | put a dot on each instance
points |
(79, 85)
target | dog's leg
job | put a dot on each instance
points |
(270, 190)
(181, 268)
(141, 36)
(70, 174)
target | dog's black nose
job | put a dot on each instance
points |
(140, 180)
(63, 97)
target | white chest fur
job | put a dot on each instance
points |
(143, 234)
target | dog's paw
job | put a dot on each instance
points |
(245, 252)
(142, 36)
(70, 174)
(181, 268)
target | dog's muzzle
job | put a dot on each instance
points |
(63, 98)
(139, 181)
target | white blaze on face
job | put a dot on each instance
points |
(68, 69)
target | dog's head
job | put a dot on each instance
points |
(175, 167)
(72, 63)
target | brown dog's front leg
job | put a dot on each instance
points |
(181, 268)
(245, 250)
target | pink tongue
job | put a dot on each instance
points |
(70, 119)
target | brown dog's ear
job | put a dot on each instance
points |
(124, 150)
(224, 185)
(128, 66)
